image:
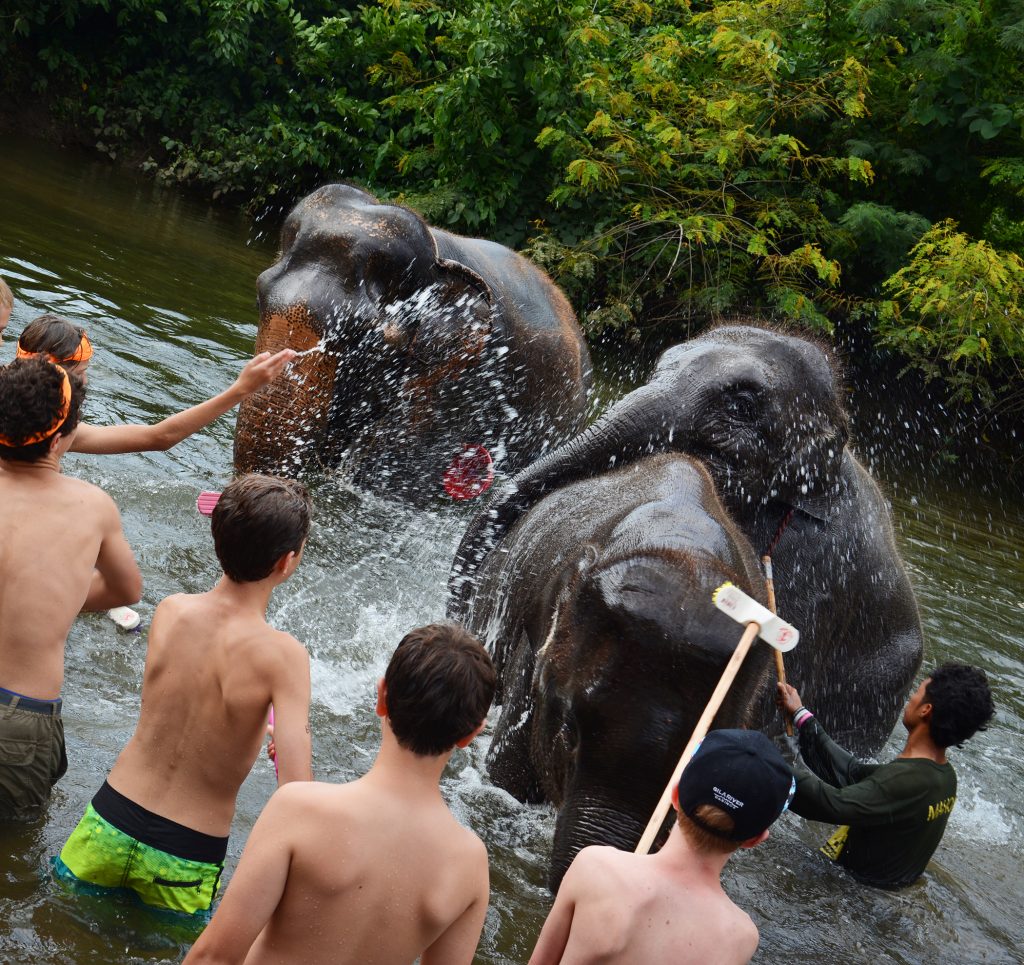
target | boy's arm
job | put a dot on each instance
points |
(116, 580)
(457, 945)
(255, 889)
(293, 745)
(109, 440)
(554, 936)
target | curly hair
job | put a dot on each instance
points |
(961, 703)
(30, 398)
(440, 683)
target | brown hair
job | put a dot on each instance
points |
(439, 683)
(6, 295)
(51, 335)
(31, 398)
(704, 840)
(257, 520)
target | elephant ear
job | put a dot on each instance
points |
(813, 482)
(453, 319)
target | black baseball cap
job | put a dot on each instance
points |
(742, 773)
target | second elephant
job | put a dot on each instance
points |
(762, 410)
(599, 613)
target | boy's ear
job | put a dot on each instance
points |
(382, 699)
(675, 797)
(756, 840)
(465, 740)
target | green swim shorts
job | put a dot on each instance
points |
(100, 857)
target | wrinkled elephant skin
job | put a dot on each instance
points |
(599, 613)
(423, 342)
(762, 411)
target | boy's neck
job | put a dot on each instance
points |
(407, 773)
(920, 744)
(678, 854)
(47, 464)
(253, 598)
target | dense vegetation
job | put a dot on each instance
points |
(668, 162)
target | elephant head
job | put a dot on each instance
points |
(761, 409)
(390, 324)
(612, 581)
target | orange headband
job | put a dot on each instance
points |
(65, 408)
(81, 354)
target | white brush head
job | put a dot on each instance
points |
(730, 599)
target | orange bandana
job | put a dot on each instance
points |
(81, 354)
(62, 414)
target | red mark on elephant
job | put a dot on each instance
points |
(469, 474)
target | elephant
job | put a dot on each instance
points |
(599, 615)
(416, 343)
(762, 411)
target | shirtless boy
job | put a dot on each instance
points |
(619, 908)
(376, 872)
(61, 551)
(159, 824)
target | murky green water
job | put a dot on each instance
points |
(165, 286)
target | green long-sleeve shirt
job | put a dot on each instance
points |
(893, 815)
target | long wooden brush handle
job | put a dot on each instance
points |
(780, 667)
(699, 733)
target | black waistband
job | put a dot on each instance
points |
(156, 831)
(49, 707)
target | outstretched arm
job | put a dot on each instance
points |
(255, 890)
(109, 440)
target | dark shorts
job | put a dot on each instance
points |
(120, 847)
(32, 754)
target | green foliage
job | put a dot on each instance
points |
(666, 161)
(958, 309)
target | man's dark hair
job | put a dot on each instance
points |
(31, 398)
(440, 683)
(257, 520)
(51, 335)
(961, 703)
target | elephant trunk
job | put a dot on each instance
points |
(284, 425)
(584, 820)
(623, 434)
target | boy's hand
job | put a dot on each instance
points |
(262, 369)
(271, 746)
(787, 699)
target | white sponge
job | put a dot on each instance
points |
(124, 617)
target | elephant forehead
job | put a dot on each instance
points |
(759, 354)
(362, 218)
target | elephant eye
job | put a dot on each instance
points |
(740, 405)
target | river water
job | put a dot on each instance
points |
(166, 286)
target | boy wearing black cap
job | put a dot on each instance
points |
(619, 908)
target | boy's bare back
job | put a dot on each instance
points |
(54, 532)
(337, 904)
(626, 909)
(212, 670)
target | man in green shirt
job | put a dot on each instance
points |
(893, 815)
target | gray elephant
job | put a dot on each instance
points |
(762, 411)
(421, 342)
(599, 614)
